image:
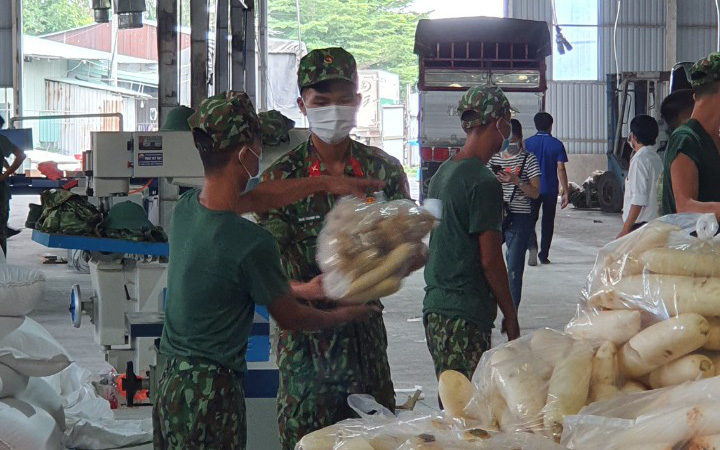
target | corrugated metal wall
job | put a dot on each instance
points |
(580, 119)
(74, 135)
(640, 36)
(579, 108)
(137, 42)
(697, 29)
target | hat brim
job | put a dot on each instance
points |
(329, 78)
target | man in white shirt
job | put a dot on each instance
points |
(640, 205)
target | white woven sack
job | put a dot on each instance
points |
(21, 289)
(40, 394)
(11, 382)
(28, 348)
(27, 427)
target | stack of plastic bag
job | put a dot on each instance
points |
(366, 249)
(679, 417)
(31, 413)
(412, 431)
(649, 318)
(634, 369)
(654, 297)
(46, 401)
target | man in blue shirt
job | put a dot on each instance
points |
(551, 157)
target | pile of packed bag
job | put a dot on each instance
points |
(46, 401)
(636, 368)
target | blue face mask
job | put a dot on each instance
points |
(253, 181)
(506, 139)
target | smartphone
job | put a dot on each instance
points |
(496, 168)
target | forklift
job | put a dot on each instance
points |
(636, 93)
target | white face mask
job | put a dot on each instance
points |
(333, 123)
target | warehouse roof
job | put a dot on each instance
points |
(36, 47)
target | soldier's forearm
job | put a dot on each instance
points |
(275, 194)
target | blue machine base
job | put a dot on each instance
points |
(100, 244)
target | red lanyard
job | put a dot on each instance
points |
(314, 169)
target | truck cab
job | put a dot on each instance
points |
(457, 54)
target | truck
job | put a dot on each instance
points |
(457, 54)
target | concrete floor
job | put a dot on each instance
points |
(550, 295)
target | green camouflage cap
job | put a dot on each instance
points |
(705, 71)
(177, 119)
(324, 64)
(275, 127)
(488, 101)
(228, 119)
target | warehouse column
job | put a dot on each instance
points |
(262, 19)
(167, 43)
(242, 20)
(238, 13)
(168, 75)
(222, 57)
(17, 52)
(199, 25)
(671, 34)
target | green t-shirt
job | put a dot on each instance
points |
(472, 203)
(691, 140)
(221, 266)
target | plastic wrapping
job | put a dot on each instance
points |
(365, 249)
(683, 416)
(532, 383)
(635, 368)
(668, 267)
(655, 294)
(417, 432)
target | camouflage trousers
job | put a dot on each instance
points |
(455, 344)
(199, 405)
(319, 370)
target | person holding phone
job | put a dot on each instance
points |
(519, 173)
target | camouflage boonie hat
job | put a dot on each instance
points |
(275, 127)
(324, 64)
(229, 119)
(489, 101)
(705, 71)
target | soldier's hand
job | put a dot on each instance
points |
(349, 313)
(511, 328)
(357, 187)
(312, 290)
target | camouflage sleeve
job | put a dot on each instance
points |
(275, 221)
(396, 182)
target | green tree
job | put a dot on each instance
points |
(379, 33)
(49, 16)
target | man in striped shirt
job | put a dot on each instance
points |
(519, 173)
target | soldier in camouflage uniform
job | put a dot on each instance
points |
(221, 266)
(465, 275)
(318, 371)
(275, 127)
(7, 149)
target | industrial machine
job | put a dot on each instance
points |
(456, 54)
(628, 95)
(129, 278)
